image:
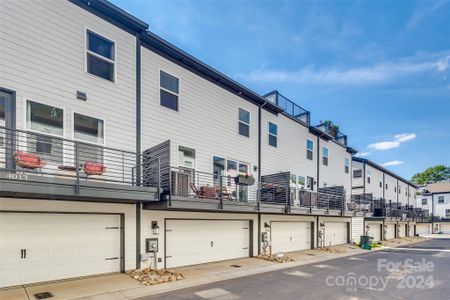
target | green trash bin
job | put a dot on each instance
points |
(366, 242)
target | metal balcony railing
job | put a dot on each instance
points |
(25, 153)
(289, 107)
(337, 136)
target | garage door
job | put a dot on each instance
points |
(375, 231)
(445, 228)
(390, 231)
(190, 242)
(336, 233)
(43, 247)
(423, 229)
(290, 236)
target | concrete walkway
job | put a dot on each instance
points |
(121, 286)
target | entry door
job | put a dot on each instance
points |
(7, 121)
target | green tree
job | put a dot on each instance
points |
(432, 175)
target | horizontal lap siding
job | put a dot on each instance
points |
(207, 119)
(390, 194)
(42, 59)
(33, 205)
(290, 153)
(359, 181)
(334, 173)
(374, 185)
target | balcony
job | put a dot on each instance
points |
(34, 165)
(289, 107)
(332, 131)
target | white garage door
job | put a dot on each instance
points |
(390, 231)
(423, 229)
(290, 236)
(336, 233)
(190, 242)
(445, 228)
(375, 231)
(43, 247)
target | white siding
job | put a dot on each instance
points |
(42, 58)
(357, 229)
(441, 207)
(207, 119)
(334, 173)
(358, 182)
(290, 153)
(376, 176)
(390, 194)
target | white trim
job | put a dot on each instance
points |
(25, 115)
(86, 142)
(86, 51)
(271, 134)
(178, 156)
(248, 124)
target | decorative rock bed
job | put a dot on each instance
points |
(152, 277)
(330, 250)
(276, 258)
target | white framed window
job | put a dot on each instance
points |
(169, 90)
(309, 149)
(310, 183)
(441, 199)
(447, 213)
(244, 122)
(369, 176)
(399, 189)
(325, 156)
(100, 56)
(186, 157)
(273, 134)
(346, 165)
(424, 201)
(357, 173)
(301, 181)
(48, 123)
(91, 132)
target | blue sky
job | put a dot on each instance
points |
(378, 69)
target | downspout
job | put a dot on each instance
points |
(318, 165)
(259, 171)
(138, 147)
(364, 187)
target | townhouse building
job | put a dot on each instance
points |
(119, 150)
(435, 199)
(388, 201)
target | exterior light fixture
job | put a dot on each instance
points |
(155, 227)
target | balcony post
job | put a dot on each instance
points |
(220, 194)
(77, 167)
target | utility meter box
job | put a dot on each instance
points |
(151, 245)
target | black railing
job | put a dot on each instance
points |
(31, 153)
(337, 136)
(289, 107)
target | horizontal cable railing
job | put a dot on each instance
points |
(289, 107)
(44, 155)
(338, 136)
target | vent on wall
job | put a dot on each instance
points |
(81, 96)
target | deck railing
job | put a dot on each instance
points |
(289, 107)
(24, 153)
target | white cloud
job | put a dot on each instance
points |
(372, 74)
(362, 154)
(384, 145)
(404, 137)
(424, 11)
(398, 139)
(392, 163)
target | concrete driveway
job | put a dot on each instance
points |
(418, 271)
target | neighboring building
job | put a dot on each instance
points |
(388, 200)
(435, 198)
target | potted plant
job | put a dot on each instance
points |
(244, 179)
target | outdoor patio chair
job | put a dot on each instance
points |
(29, 161)
(92, 168)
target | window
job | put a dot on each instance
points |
(186, 157)
(357, 173)
(424, 201)
(395, 189)
(100, 56)
(2, 109)
(218, 168)
(447, 213)
(293, 180)
(91, 130)
(441, 199)
(88, 129)
(310, 183)
(168, 90)
(347, 165)
(244, 122)
(369, 175)
(399, 189)
(273, 133)
(325, 156)
(301, 181)
(386, 186)
(309, 149)
(49, 120)
(381, 184)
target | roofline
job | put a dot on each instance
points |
(110, 11)
(183, 58)
(377, 166)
